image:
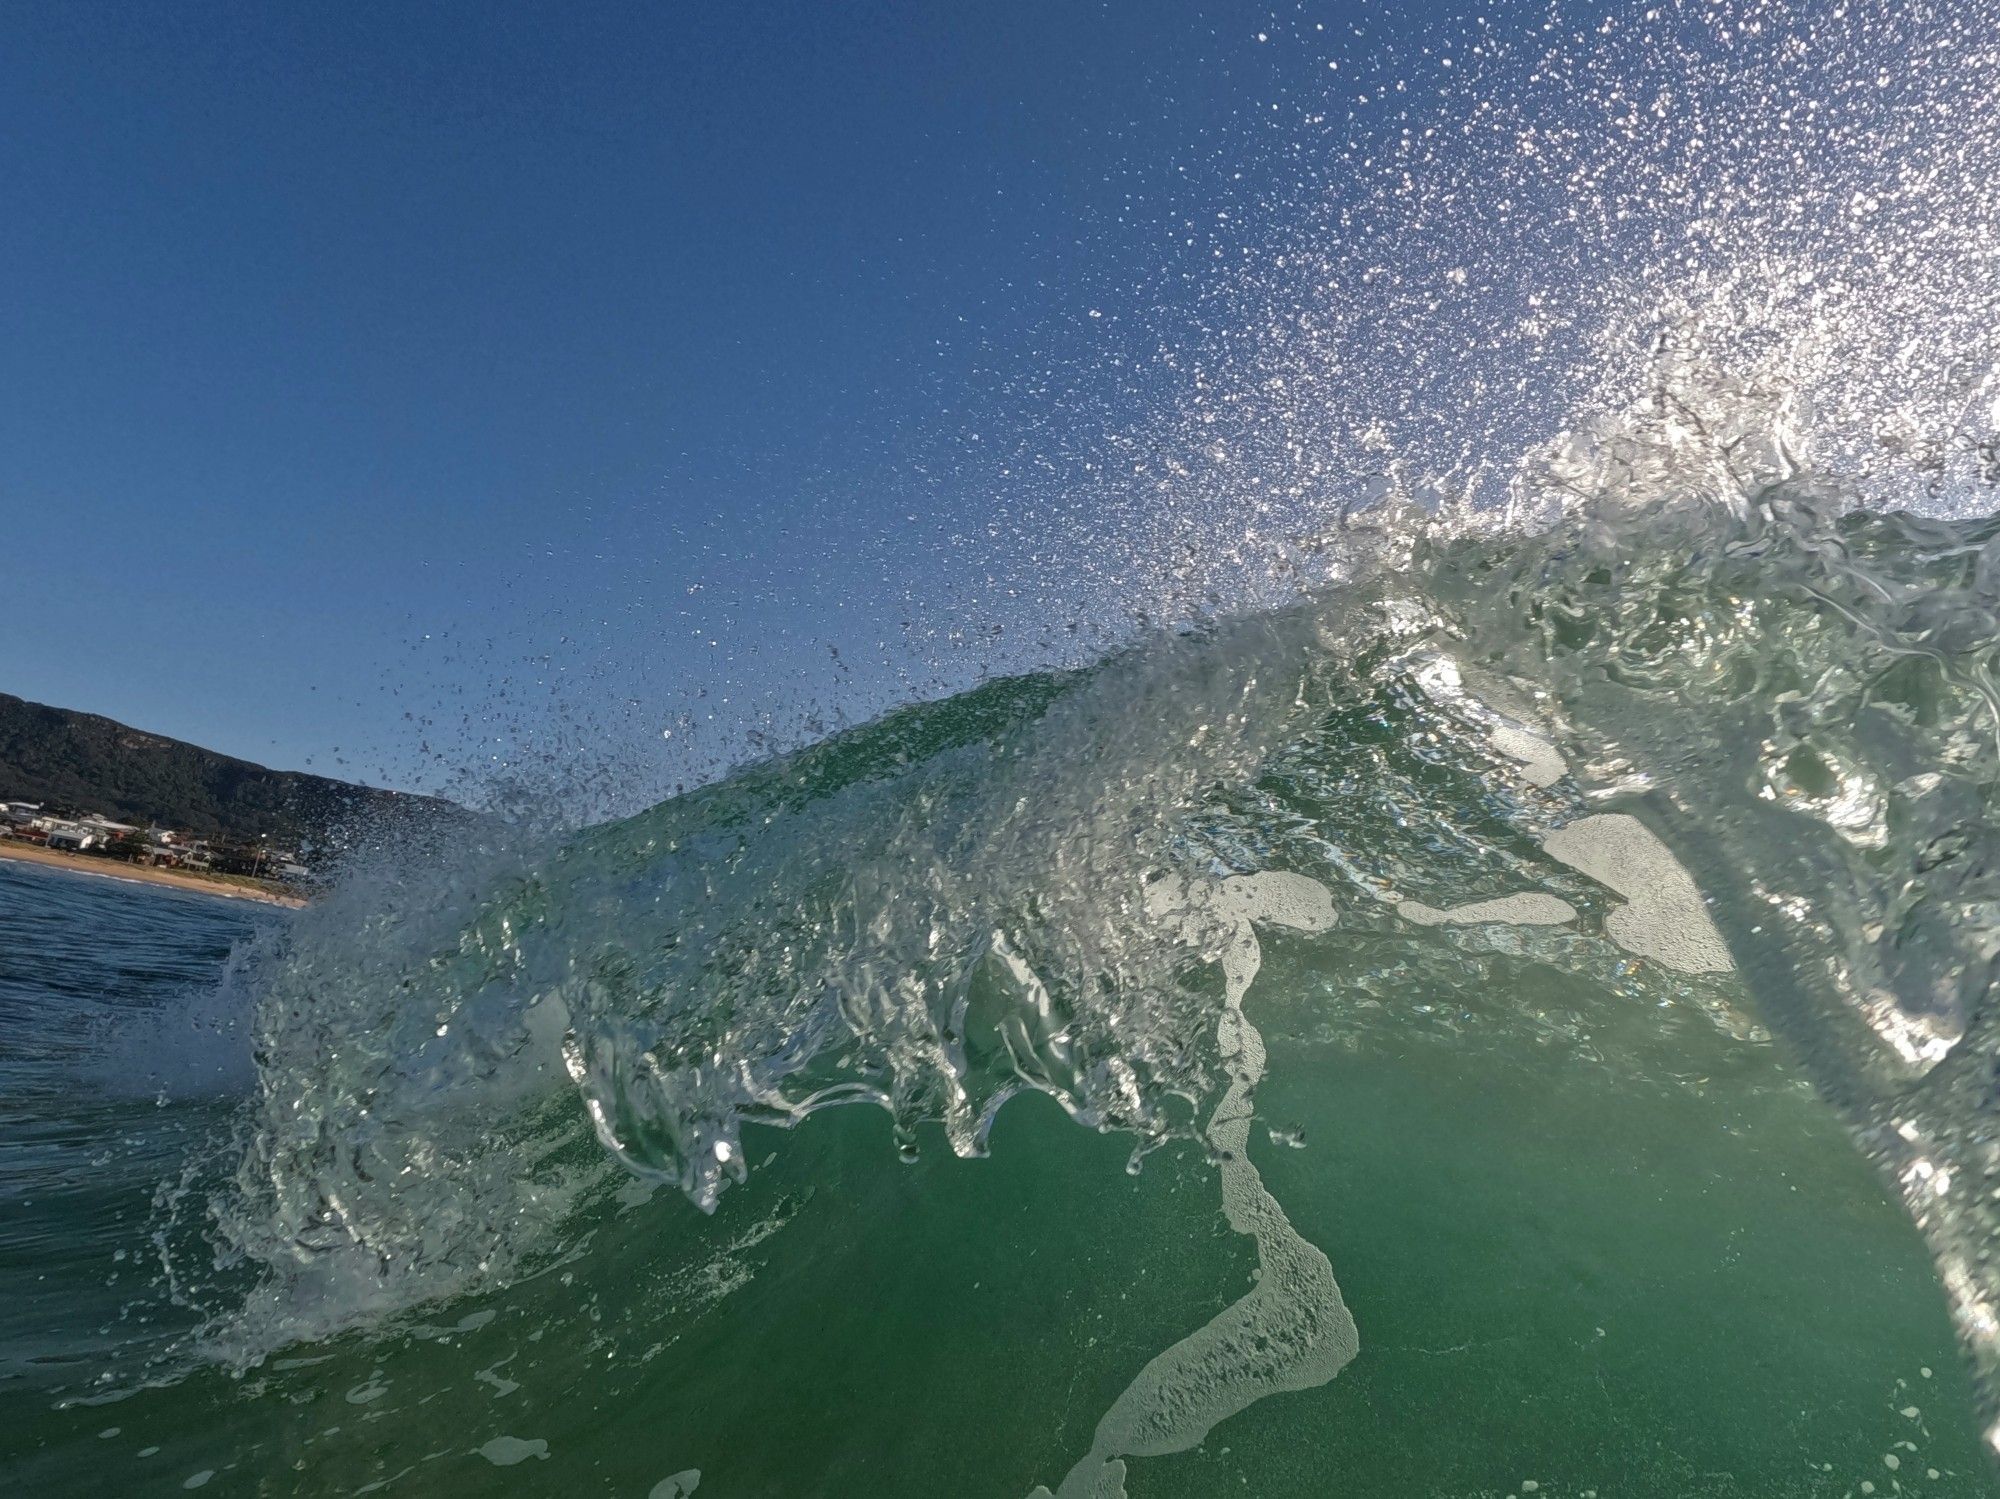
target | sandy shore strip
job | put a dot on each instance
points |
(144, 874)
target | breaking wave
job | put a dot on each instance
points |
(1790, 690)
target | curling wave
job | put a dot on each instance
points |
(1718, 715)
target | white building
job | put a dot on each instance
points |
(107, 831)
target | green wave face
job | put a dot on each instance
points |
(1493, 963)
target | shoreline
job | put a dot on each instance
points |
(145, 874)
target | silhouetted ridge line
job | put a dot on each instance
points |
(84, 762)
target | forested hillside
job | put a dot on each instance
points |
(82, 762)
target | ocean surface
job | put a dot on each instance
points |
(1414, 960)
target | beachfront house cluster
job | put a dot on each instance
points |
(67, 830)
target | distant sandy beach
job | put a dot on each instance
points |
(144, 874)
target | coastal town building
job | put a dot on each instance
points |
(71, 831)
(62, 833)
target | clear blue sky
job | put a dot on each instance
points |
(349, 352)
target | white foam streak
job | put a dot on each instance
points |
(1293, 1330)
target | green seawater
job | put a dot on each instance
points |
(1686, 1285)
